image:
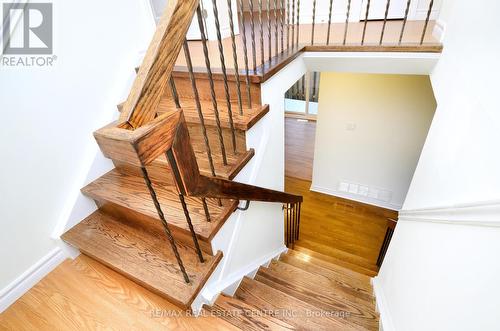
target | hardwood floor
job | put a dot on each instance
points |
(85, 295)
(348, 232)
(299, 148)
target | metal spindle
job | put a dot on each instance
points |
(261, 36)
(282, 22)
(288, 24)
(205, 208)
(245, 54)
(235, 56)
(298, 22)
(329, 22)
(187, 55)
(212, 86)
(269, 31)
(252, 26)
(173, 89)
(347, 21)
(314, 21)
(314, 86)
(385, 21)
(298, 221)
(164, 223)
(426, 21)
(366, 22)
(404, 21)
(224, 74)
(191, 228)
(276, 41)
(303, 91)
(293, 23)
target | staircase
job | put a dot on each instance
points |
(180, 141)
(301, 292)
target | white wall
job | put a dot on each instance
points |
(48, 117)
(440, 275)
(369, 134)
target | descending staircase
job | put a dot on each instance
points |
(302, 292)
(126, 233)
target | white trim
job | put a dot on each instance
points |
(30, 277)
(439, 30)
(481, 213)
(345, 195)
(385, 321)
(235, 277)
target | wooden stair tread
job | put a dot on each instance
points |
(243, 122)
(305, 316)
(235, 162)
(245, 316)
(345, 288)
(319, 266)
(130, 191)
(343, 259)
(324, 293)
(142, 256)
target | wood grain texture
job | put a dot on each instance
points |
(349, 232)
(151, 80)
(322, 293)
(130, 193)
(245, 316)
(299, 148)
(287, 308)
(142, 256)
(83, 294)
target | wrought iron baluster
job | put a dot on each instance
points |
(329, 22)
(314, 21)
(205, 208)
(347, 21)
(298, 22)
(245, 54)
(303, 81)
(261, 36)
(282, 23)
(314, 85)
(198, 105)
(298, 221)
(191, 228)
(173, 90)
(164, 223)
(224, 74)
(212, 86)
(404, 21)
(385, 21)
(293, 23)
(235, 56)
(252, 28)
(276, 41)
(366, 22)
(426, 22)
(288, 23)
(269, 31)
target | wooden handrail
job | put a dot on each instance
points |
(156, 68)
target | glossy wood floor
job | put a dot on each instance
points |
(349, 232)
(413, 32)
(299, 148)
(85, 295)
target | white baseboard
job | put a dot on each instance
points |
(385, 322)
(357, 198)
(439, 30)
(30, 277)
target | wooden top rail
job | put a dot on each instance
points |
(156, 68)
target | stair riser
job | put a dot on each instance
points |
(185, 90)
(152, 224)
